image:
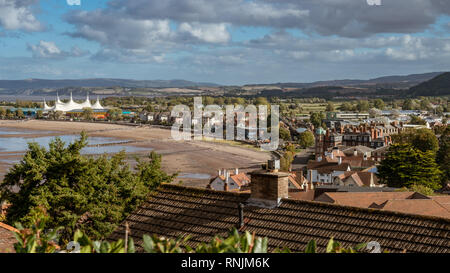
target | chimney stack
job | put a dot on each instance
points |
(268, 187)
(237, 171)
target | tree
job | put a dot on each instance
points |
(408, 104)
(261, 101)
(316, 119)
(39, 114)
(208, 100)
(330, 107)
(425, 104)
(19, 113)
(362, 106)
(285, 134)
(88, 113)
(417, 120)
(405, 166)
(347, 106)
(306, 139)
(2, 112)
(379, 104)
(114, 114)
(78, 192)
(422, 139)
(443, 154)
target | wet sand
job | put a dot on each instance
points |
(193, 157)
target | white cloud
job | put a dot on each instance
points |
(210, 33)
(49, 50)
(18, 15)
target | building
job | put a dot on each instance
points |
(176, 211)
(228, 181)
(342, 169)
(406, 202)
(371, 136)
(72, 105)
(347, 116)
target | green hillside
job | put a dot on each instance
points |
(438, 86)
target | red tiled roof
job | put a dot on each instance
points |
(174, 211)
(364, 199)
(241, 179)
(417, 206)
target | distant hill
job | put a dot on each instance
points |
(385, 82)
(33, 84)
(438, 86)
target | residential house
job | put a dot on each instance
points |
(356, 179)
(175, 210)
(228, 181)
(405, 202)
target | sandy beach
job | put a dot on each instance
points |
(188, 157)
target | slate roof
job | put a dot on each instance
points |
(174, 210)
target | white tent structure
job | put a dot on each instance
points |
(72, 105)
(97, 105)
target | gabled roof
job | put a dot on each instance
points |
(358, 161)
(174, 211)
(241, 179)
(417, 206)
(359, 148)
(326, 162)
(365, 199)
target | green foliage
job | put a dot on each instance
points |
(114, 114)
(285, 134)
(78, 192)
(235, 243)
(155, 244)
(86, 245)
(379, 104)
(405, 166)
(422, 139)
(362, 106)
(287, 158)
(316, 119)
(88, 113)
(36, 240)
(330, 107)
(443, 154)
(418, 188)
(306, 139)
(417, 120)
(261, 101)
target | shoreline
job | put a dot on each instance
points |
(194, 157)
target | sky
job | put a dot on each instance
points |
(229, 42)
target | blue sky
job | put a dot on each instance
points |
(227, 42)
